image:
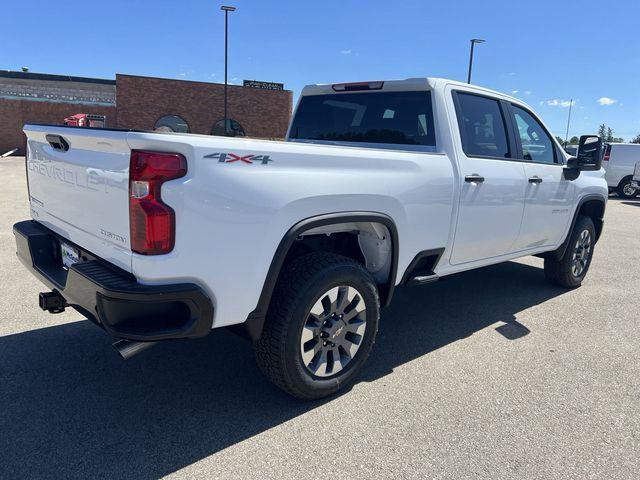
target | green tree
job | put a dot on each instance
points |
(560, 141)
(609, 134)
(636, 139)
(606, 133)
(574, 140)
(602, 132)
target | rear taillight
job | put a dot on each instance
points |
(152, 222)
(607, 154)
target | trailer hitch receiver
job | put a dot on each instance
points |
(52, 302)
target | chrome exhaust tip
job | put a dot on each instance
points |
(127, 349)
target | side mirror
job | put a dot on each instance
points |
(572, 163)
(589, 155)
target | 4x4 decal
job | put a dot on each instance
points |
(232, 157)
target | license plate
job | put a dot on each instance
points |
(70, 255)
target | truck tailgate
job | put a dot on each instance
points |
(82, 193)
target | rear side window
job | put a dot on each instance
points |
(482, 126)
(403, 118)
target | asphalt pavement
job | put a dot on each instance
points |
(487, 374)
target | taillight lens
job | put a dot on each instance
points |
(152, 222)
(607, 154)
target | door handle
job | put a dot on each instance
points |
(58, 142)
(474, 178)
(535, 179)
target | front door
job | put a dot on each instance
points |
(492, 181)
(549, 197)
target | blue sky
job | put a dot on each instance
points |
(547, 52)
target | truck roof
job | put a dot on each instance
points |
(408, 84)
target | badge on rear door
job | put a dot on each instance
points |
(232, 158)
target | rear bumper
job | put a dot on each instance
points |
(111, 297)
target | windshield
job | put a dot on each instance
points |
(404, 118)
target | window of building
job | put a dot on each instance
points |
(172, 123)
(234, 129)
(482, 126)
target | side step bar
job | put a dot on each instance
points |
(421, 270)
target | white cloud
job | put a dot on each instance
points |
(512, 74)
(555, 102)
(514, 92)
(345, 52)
(183, 74)
(606, 101)
(528, 92)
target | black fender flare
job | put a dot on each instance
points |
(255, 321)
(559, 253)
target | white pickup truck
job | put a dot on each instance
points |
(158, 236)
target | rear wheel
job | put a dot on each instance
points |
(320, 327)
(626, 189)
(571, 269)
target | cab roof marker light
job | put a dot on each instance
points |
(352, 87)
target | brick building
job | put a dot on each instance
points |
(38, 98)
(142, 103)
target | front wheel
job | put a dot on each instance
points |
(320, 327)
(571, 269)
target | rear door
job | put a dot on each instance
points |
(79, 187)
(548, 196)
(492, 181)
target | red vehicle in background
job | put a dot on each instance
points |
(86, 120)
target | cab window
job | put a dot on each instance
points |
(537, 145)
(482, 126)
(394, 118)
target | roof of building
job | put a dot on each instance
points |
(53, 78)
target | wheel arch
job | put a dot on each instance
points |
(592, 206)
(255, 320)
(623, 180)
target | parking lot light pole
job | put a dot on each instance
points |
(473, 42)
(226, 9)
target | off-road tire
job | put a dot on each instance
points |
(300, 284)
(560, 272)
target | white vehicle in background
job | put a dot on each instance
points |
(160, 236)
(636, 176)
(619, 162)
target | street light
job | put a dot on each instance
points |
(473, 42)
(226, 9)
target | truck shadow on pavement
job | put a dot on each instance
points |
(70, 408)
